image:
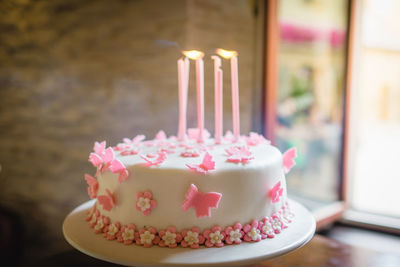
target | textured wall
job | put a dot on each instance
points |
(72, 72)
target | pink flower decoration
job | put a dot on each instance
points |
(93, 185)
(266, 229)
(108, 201)
(111, 231)
(214, 237)
(192, 238)
(127, 234)
(288, 159)
(201, 202)
(101, 223)
(117, 167)
(166, 150)
(234, 235)
(251, 232)
(238, 154)
(145, 202)
(255, 139)
(160, 136)
(90, 213)
(135, 141)
(276, 192)
(93, 218)
(207, 165)
(193, 133)
(147, 237)
(169, 237)
(154, 162)
(190, 153)
(129, 151)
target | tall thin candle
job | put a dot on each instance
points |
(198, 56)
(218, 98)
(232, 55)
(183, 76)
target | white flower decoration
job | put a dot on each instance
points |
(112, 229)
(276, 224)
(128, 234)
(235, 235)
(99, 225)
(146, 237)
(254, 234)
(169, 238)
(144, 203)
(216, 237)
(192, 237)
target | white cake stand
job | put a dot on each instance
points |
(78, 233)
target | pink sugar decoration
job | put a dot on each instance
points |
(193, 133)
(276, 192)
(124, 237)
(207, 165)
(166, 150)
(142, 206)
(135, 141)
(234, 234)
(201, 202)
(160, 136)
(214, 237)
(108, 201)
(288, 159)
(192, 238)
(238, 154)
(190, 153)
(117, 167)
(255, 139)
(99, 148)
(93, 185)
(252, 232)
(141, 239)
(103, 160)
(154, 162)
(164, 234)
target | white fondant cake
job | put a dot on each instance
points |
(171, 193)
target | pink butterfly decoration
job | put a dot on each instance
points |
(207, 165)
(254, 139)
(107, 201)
(154, 162)
(135, 141)
(102, 160)
(193, 133)
(99, 148)
(160, 136)
(238, 154)
(93, 185)
(288, 159)
(117, 167)
(201, 202)
(276, 192)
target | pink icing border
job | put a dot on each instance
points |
(268, 227)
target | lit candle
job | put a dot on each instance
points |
(232, 55)
(218, 98)
(198, 56)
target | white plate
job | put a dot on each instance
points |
(78, 233)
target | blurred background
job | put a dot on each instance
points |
(74, 72)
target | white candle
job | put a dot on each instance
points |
(218, 98)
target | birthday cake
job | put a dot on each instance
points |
(190, 190)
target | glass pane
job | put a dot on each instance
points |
(311, 93)
(375, 132)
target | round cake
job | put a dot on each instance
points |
(187, 193)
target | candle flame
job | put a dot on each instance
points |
(226, 53)
(193, 54)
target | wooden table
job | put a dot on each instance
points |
(320, 251)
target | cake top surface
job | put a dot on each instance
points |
(164, 152)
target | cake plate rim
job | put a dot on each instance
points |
(80, 236)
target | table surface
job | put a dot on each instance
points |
(320, 251)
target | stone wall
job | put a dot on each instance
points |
(72, 72)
